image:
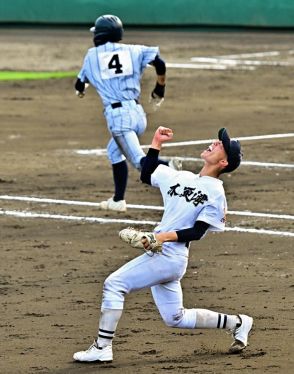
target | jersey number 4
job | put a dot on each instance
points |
(115, 64)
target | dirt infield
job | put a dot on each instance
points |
(52, 270)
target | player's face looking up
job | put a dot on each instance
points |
(215, 154)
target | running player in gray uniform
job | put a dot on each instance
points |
(114, 70)
(193, 205)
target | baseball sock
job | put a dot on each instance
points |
(107, 325)
(207, 319)
(120, 177)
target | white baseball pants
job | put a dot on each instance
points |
(162, 273)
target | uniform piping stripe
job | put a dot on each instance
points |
(225, 321)
(219, 321)
(106, 331)
(105, 337)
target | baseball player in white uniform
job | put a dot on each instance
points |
(194, 204)
(114, 69)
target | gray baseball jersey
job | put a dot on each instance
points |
(115, 70)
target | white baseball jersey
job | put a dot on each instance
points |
(187, 197)
(115, 70)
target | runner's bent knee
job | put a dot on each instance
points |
(129, 145)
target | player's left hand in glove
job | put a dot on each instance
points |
(157, 96)
(141, 239)
(81, 94)
(81, 88)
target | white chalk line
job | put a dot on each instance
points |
(241, 138)
(210, 66)
(247, 163)
(253, 54)
(134, 206)
(25, 214)
(267, 164)
(236, 63)
(103, 151)
(259, 231)
(196, 159)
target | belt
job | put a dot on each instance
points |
(119, 104)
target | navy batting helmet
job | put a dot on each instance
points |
(108, 28)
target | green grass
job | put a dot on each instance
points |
(33, 75)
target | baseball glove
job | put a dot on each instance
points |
(157, 96)
(136, 238)
(82, 93)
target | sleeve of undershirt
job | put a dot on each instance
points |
(149, 165)
(193, 233)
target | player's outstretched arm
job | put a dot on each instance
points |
(184, 236)
(161, 135)
(151, 241)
